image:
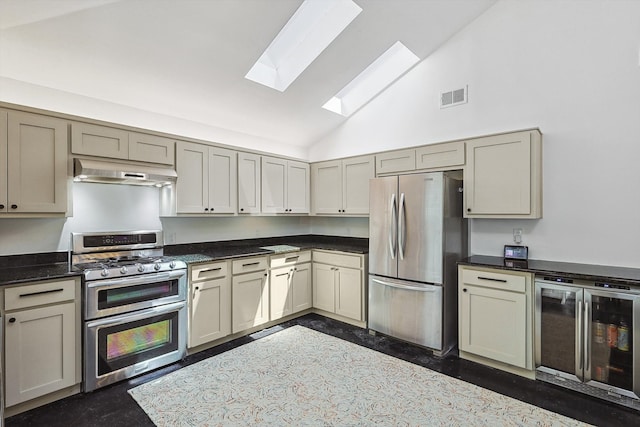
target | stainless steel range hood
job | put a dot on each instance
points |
(86, 170)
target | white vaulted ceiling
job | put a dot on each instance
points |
(188, 58)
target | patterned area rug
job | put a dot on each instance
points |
(301, 377)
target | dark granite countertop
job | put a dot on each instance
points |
(619, 275)
(30, 267)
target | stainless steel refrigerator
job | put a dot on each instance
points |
(416, 236)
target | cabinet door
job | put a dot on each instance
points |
(324, 287)
(493, 324)
(210, 307)
(192, 187)
(3, 161)
(248, 183)
(37, 163)
(355, 184)
(250, 299)
(222, 180)
(274, 185)
(298, 187)
(440, 155)
(40, 352)
(151, 148)
(102, 141)
(498, 175)
(396, 161)
(302, 297)
(349, 293)
(281, 292)
(327, 187)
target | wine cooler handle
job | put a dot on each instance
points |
(580, 344)
(587, 337)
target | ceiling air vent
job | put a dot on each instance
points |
(453, 97)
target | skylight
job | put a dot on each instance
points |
(373, 80)
(309, 31)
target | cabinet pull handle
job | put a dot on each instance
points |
(250, 264)
(282, 274)
(133, 175)
(1, 206)
(14, 206)
(12, 320)
(211, 269)
(292, 258)
(464, 290)
(40, 293)
(492, 279)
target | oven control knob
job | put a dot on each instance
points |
(141, 268)
(123, 270)
(157, 266)
(104, 273)
(172, 264)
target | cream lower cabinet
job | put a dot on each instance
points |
(209, 302)
(249, 293)
(290, 284)
(496, 316)
(338, 283)
(42, 339)
(503, 176)
(33, 164)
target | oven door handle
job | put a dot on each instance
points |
(137, 280)
(136, 315)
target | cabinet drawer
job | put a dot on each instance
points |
(248, 265)
(209, 271)
(292, 258)
(490, 279)
(338, 259)
(39, 294)
(440, 155)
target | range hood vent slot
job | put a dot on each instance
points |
(85, 170)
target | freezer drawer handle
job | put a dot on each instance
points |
(492, 279)
(411, 288)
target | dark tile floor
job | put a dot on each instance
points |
(112, 406)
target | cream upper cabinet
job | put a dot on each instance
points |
(446, 155)
(285, 186)
(503, 176)
(342, 186)
(495, 309)
(42, 339)
(396, 161)
(114, 143)
(209, 302)
(207, 179)
(33, 164)
(248, 183)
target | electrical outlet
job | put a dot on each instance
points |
(517, 235)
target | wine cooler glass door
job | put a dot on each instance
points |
(612, 346)
(559, 341)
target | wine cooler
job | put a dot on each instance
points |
(585, 338)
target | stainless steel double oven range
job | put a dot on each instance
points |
(134, 304)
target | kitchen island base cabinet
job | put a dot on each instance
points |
(338, 286)
(495, 311)
(210, 303)
(249, 294)
(42, 340)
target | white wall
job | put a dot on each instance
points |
(571, 68)
(101, 207)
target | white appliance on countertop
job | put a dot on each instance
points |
(416, 235)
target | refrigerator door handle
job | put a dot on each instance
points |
(579, 343)
(393, 227)
(401, 227)
(587, 341)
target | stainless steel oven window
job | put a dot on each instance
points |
(122, 346)
(109, 297)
